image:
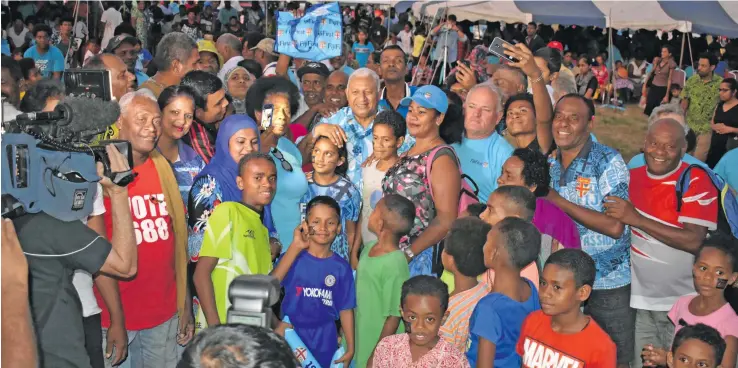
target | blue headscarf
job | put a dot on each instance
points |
(222, 167)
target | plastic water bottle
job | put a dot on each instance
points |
(303, 355)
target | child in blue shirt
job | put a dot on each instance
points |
(329, 167)
(494, 327)
(318, 284)
(362, 48)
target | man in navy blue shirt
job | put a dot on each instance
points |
(393, 63)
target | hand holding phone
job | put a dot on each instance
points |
(267, 114)
(498, 49)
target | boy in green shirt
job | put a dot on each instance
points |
(236, 242)
(381, 272)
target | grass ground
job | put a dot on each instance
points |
(622, 130)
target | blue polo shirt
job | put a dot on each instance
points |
(384, 103)
(598, 171)
(482, 160)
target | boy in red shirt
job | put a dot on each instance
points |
(560, 334)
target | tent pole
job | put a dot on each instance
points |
(681, 53)
(691, 57)
(612, 58)
(425, 45)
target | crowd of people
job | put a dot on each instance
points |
(422, 202)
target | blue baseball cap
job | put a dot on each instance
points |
(430, 97)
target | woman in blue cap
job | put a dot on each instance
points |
(435, 125)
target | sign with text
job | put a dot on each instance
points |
(316, 36)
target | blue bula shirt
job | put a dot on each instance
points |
(291, 187)
(598, 171)
(482, 160)
(359, 143)
(498, 319)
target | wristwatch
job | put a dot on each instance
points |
(409, 253)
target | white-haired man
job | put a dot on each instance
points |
(155, 298)
(482, 151)
(353, 125)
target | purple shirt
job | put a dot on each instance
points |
(552, 221)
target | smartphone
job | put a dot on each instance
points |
(465, 62)
(497, 49)
(267, 113)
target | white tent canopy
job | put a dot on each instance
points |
(504, 11)
(646, 14)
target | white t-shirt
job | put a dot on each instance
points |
(112, 19)
(372, 184)
(82, 280)
(270, 70)
(406, 42)
(80, 30)
(18, 39)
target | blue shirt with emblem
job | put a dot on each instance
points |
(597, 172)
(359, 143)
(316, 290)
(482, 160)
(348, 198)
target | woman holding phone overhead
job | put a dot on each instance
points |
(272, 102)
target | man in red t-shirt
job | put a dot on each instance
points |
(149, 300)
(664, 241)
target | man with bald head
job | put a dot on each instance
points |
(663, 240)
(121, 79)
(673, 111)
(228, 46)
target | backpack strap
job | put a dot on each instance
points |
(682, 184)
(429, 165)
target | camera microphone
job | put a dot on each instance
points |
(78, 115)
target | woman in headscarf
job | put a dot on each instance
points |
(238, 136)
(237, 81)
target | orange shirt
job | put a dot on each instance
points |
(460, 307)
(541, 347)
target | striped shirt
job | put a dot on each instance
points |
(460, 308)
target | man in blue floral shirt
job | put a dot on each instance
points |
(353, 125)
(583, 174)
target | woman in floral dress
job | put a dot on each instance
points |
(431, 121)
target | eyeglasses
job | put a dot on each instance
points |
(285, 164)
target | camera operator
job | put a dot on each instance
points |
(54, 249)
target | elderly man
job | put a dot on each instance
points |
(229, 47)
(154, 303)
(663, 240)
(266, 57)
(671, 111)
(583, 174)
(353, 125)
(482, 151)
(176, 55)
(122, 80)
